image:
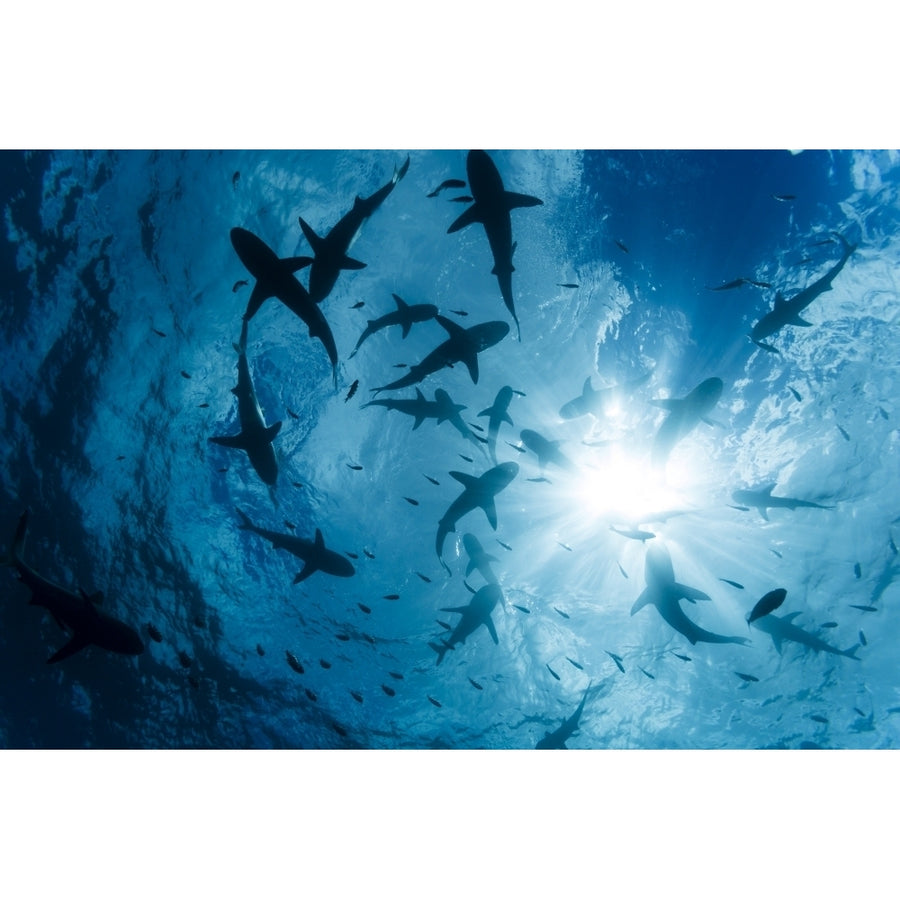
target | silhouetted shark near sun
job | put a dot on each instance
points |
(787, 312)
(603, 402)
(255, 437)
(275, 278)
(405, 315)
(781, 628)
(684, 415)
(475, 614)
(74, 613)
(463, 345)
(665, 594)
(556, 740)
(547, 451)
(479, 492)
(316, 556)
(492, 207)
(331, 251)
(497, 413)
(764, 501)
(479, 558)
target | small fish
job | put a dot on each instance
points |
(397, 675)
(193, 681)
(859, 712)
(364, 608)
(862, 639)
(681, 656)
(475, 426)
(238, 285)
(359, 305)
(759, 284)
(744, 677)
(767, 347)
(504, 546)
(523, 609)
(475, 684)
(356, 696)
(341, 731)
(622, 247)
(459, 312)
(224, 469)
(844, 433)
(324, 664)
(621, 569)
(400, 366)
(235, 179)
(293, 662)
(569, 285)
(730, 285)
(796, 395)
(290, 525)
(769, 603)
(185, 374)
(892, 545)
(565, 546)
(202, 406)
(785, 198)
(446, 625)
(424, 578)
(343, 637)
(351, 555)
(817, 718)
(636, 534)
(552, 672)
(260, 650)
(517, 447)
(652, 677)
(865, 608)
(411, 501)
(435, 702)
(391, 596)
(292, 414)
(776, 553)
(369, 638)
(467, 458)
(883, 412)
(184, 659)
(297, 484)
(119, 458)
(160, 333)
(432, 480)
(829, 625)
(736, 584)
(154, 633)
(199, 621)
(449, 183)
(355, 468)
(857, 571)
(741, 508)
(540, 480)
(369, 555)
(464, 199)
(616, 659)
(577, 665)
(353, 388)
(389, 690)
(564, 615)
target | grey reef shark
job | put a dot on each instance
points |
(475, 614)
(497, 413)
(479, 559)
(478, 492)
(685, 414)
(330, 252)
(764, 501)
(255, 437)
(491, 208)
(556, 740)
(406, 315)
(600, 403)
(547, 451)
(462, 345)
(76, 614)
(782, 628)
(275, 278)
(787, 312)
(315, 555)
(666, 594)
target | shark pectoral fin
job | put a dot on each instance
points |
(491, 512)
(405, 326)
(469, 217)
(349, 263)
(272, 431)
(314, 240)
(796, 320)
(78, 642)
(507, 418)
(690, 593)
(790, 617)
(304, 573)
(645, 598)
(293, 264)
(470, 567)
(764, 513)
(469, 481)
(671, 403)
(257, 298)
(490, 627)
(456, 609)
(518, 201)
(452, 329)
(96, 598)
(471, 362)
(236, 441)
(418, 422)
(320, 541)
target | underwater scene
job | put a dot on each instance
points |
(450, 449)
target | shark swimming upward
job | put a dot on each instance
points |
(556, 740)
(603, 402)
(764, 501)
(497, 413)
(492, 207)
(684, 415)
(479, 559)
(475, 614)
(405, 315)
(547, 451)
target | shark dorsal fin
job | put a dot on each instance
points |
(587, 390)
(779, 299)
(420, 396)
(320, 541)
(768, 488)
(489, 623)
(402, 305)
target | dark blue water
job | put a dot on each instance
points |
(119, 317)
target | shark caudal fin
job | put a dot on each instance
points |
(440, 649)
(852, 652)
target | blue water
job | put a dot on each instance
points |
(119, 281)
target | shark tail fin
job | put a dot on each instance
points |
(851, 652)
(440, 649)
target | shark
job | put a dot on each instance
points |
(491, 208)
(556, 740)
(601, 403)
(475, 614)
(330, 252)
(315, 555)
(547, 451)
(275, 278)
(782, 628)
(685, 414)
(497, 413)
(666, 594)
(76, 614)
(462, 345)
(764, 501)
(406, 315)
(787, 312)
(479, 559)
(478, 491)
(255, 437)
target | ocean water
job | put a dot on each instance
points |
(123, 304)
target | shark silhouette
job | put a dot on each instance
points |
(684, 415)
(462, 345)
(330, 252)
(787, 312)
(556, 740)
(479, 558)
(600, 403)
(405, 315)
(492, 207)
(782, 628)
(74, 613)
(665, 594)
(547, 451)
(479, 492)
(475, 614)
(275, 278)
(763, 501)
(315, 555)
(497, 413)
(255, 437)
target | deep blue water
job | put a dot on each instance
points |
(121, 308)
